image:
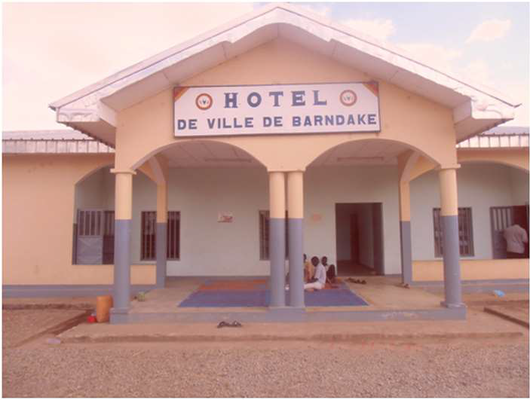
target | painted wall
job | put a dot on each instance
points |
(480, 186)
(147, 127)
(38, 203)
(519, 185)
(473, 270)
(212, 248)
(43, 223)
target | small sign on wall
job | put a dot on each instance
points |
(225, 217)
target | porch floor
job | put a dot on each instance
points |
(385, 298)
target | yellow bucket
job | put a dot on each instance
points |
(103, 306)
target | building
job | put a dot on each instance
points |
(278, 134)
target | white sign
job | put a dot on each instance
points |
(276, 109)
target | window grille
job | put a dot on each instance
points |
(148, 242)
(264, 235)
(94, 237)
(465, 232)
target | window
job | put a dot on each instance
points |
(264, 235)
(94, 237)
(465, 232)
(148, 243)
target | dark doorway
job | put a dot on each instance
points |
(502, 218)
(359, 233)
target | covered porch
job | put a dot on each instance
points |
(384, 299)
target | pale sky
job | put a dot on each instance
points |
(51, 50)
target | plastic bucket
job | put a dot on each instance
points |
(103, 306)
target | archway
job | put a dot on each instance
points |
(355, 187)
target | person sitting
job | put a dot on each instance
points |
(330, 270)
(309, 270)
(319, 281)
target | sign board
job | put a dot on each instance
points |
(276, 109)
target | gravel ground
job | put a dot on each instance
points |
(273, 369)
(20, 325)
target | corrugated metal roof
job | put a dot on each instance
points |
(51, 142)
(501, 136)
(71, 141)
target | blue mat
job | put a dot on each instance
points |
(341, 296)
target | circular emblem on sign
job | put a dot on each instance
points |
(203, 101)
(348, 98)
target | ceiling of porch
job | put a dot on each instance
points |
(366, 152)
(200, 154)
(204, 154)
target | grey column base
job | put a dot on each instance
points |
(406, 252)
(277, 261)
(161, 254)
(296, 263)
(451, 261)
(119, 315)
(122, 263)
(449, 305)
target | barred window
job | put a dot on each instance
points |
(465, 232)
(264, 235)
(148, 242)
(93, 240)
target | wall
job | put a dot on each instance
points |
(212, 248)
(473, 270)
(519, 186)
(38, 200)
(480, 186)
(145, 128)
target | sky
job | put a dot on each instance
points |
(50, 50)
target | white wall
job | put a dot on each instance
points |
(480, 186)
(519, 185)
(326, 186)
(212, 248)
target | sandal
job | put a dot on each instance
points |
(222, 324)
(236, 324)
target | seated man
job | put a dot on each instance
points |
(330, 270)
(320, 276)
(309, 270)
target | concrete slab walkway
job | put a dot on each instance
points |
(479, 325)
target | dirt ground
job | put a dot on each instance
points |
(456, 368)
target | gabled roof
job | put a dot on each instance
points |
(93, 109)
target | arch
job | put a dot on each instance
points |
(494, 156)
(177, 143)
(333, 147)
(92, 172)
(516, 158)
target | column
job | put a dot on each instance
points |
(405, 232)
(122, 243)
(295, 207)
(161, 234)
(277, 238)
(451, 242)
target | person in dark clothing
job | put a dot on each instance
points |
(330, 270)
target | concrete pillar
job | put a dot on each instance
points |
(295, 210)
(122, 244)
(451, 245)
(405, 232)
(277, 238)
(161, 234)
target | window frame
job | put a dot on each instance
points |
(148, 250)
(264, 230)
(466, 243)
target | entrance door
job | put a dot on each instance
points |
(359, 233)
